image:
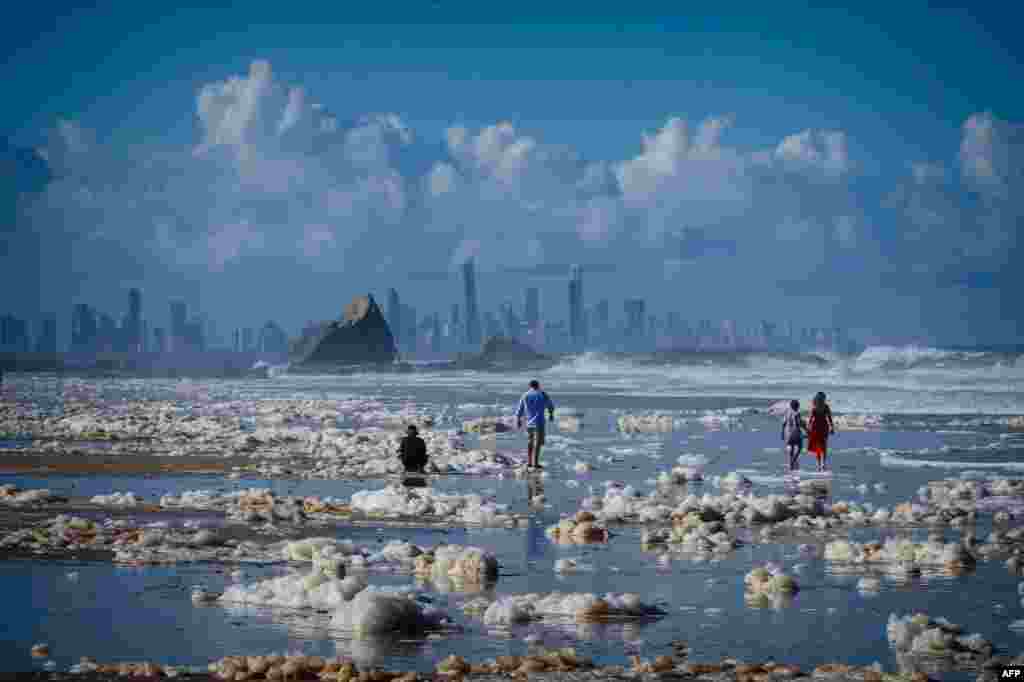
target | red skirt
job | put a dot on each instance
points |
(817, 442)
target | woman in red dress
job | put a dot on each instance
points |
(819, 427)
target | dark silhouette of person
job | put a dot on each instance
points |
(412, 451)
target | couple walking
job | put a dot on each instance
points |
(818, 427)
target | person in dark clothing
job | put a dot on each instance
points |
(412, 451)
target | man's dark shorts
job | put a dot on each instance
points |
(535, 436)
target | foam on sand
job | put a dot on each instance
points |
(921, 634)
(575, 606)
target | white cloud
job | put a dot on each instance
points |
(822, 150)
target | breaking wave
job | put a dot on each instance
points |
(879, 380)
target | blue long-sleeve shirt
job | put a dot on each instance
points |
(532, 406)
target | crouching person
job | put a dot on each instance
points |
(412, 451)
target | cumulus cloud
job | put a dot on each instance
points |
(822, 150)
(276, 174)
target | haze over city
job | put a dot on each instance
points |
(817, 167)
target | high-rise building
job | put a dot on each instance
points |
(455, 326)
(160, 339)
(728, 336)
(395, 316)
(46, 340)
(531, 307)
(602, 318)
(634, 309)
(83, 328)
(248, 340)
(107, 333)
(179, 325)
(14, 336)
(576, 333)
(768, 333)
(435, 334)
(408, 332)
(133, 330)
(472, 312)
(510, 321)
(492, 325)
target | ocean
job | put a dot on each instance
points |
(907, 416)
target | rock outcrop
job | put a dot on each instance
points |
(502, 353)
(360, 337)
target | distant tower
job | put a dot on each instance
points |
(395, 315)
(454, 329)
(179, 325)
(409, 333)
(160, 340)
(134, 326)
(576, 305)
(531, 308)
(602, 318)
(83, 328)
(635, 317)
(46, 341)
(435, 334)
(472, 312)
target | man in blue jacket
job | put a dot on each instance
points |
(532, 406)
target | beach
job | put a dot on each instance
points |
(171, 506)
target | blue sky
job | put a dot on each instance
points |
(836, 155)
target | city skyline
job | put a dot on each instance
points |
(715, 165)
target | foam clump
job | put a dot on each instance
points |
(316, 589)
(680, 475)
(471, 564)
(396, 501)
(578, 530)
(486, 425)
(575, 606)
(14, 496)
(647, 423)
(921, 634)
(858, 422)
(762, 580)
(117, 500)
(733, 481)
(378, 611)
(894, 550)
(690, 533)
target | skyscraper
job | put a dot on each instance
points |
(46, 341)
(602, 316)
(83, 328)
(160, 340)
(455, 326)
(635, 316)
(13, 334)
(107, 333)
(179, 325)
(248, 340)
(408, 333)
(510, 320)
(576, 332)
(472, 312)
(133, 331)
(395, 316)
(435, 334)
(531, 308)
